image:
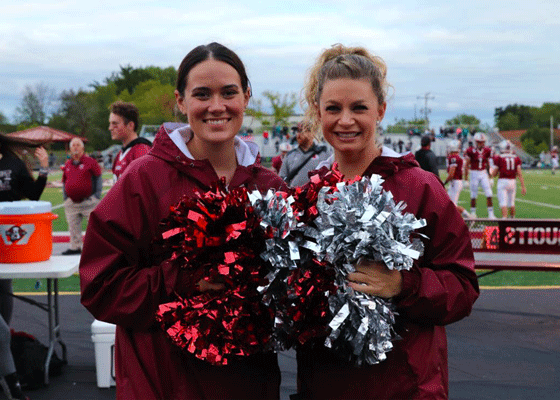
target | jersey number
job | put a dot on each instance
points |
(510, 164)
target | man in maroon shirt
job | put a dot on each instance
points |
(477, 164)
(508, 167)
(123, 123)
(81, 187)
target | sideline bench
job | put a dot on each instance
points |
(515, 244)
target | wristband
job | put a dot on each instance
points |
(43, 171)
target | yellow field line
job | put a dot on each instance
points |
(520, 287)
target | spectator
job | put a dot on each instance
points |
(426, 157)
(16, 178)
(554, 158)
(81, 188)
(507, 166)
(16, 183)
(123, 124)
(442, 285)
(478, 162)
(465, 134)
(277, 161)
(304, 158)
(542, 158)
(265, 137)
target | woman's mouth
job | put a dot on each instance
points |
(347, 135)
(217, 121)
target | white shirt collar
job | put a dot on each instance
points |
(246, 152)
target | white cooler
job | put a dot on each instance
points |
(103, 337)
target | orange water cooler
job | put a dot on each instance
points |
(25, 231)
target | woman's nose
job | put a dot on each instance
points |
(346, 118)
(216, 104)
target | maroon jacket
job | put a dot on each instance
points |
(123, 281)
(440, 289)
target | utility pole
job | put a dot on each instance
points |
(551, 132)
(426, 110)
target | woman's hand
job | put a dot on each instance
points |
(42, 156)
(376, 279)
(204, 286)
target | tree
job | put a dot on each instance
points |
(525, 115)
(155, 101)
(5, 126)
(537, 135)
(530, 147)
(403, 125)
(508, 122)
(75, 109)
(128, 78)
(36, 105)
(281, 108)
(543, 114)
(463, 120)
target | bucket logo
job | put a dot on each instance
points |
(16, 234)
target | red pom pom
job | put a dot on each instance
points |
(217, 236)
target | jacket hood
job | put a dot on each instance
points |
(170, 145)
(387, 164)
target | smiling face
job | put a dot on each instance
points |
(214, 102)
(349, 111)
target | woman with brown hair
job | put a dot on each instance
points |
(123, 277)
(16, 178)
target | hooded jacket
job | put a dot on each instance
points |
(124, 279)
(441, 288)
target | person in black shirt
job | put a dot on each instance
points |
(16, 183)
(426, 157)
(16, 180)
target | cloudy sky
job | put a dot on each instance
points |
(463, 56)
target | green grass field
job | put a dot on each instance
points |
(541, 201)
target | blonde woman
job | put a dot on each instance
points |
(347, 97)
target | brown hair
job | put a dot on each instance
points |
(215, 51)
(128, 111)
(20, 148)
(344, 62)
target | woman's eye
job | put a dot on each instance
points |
(360, 107)
(200, 95)
(331, 108)
(230, 93)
